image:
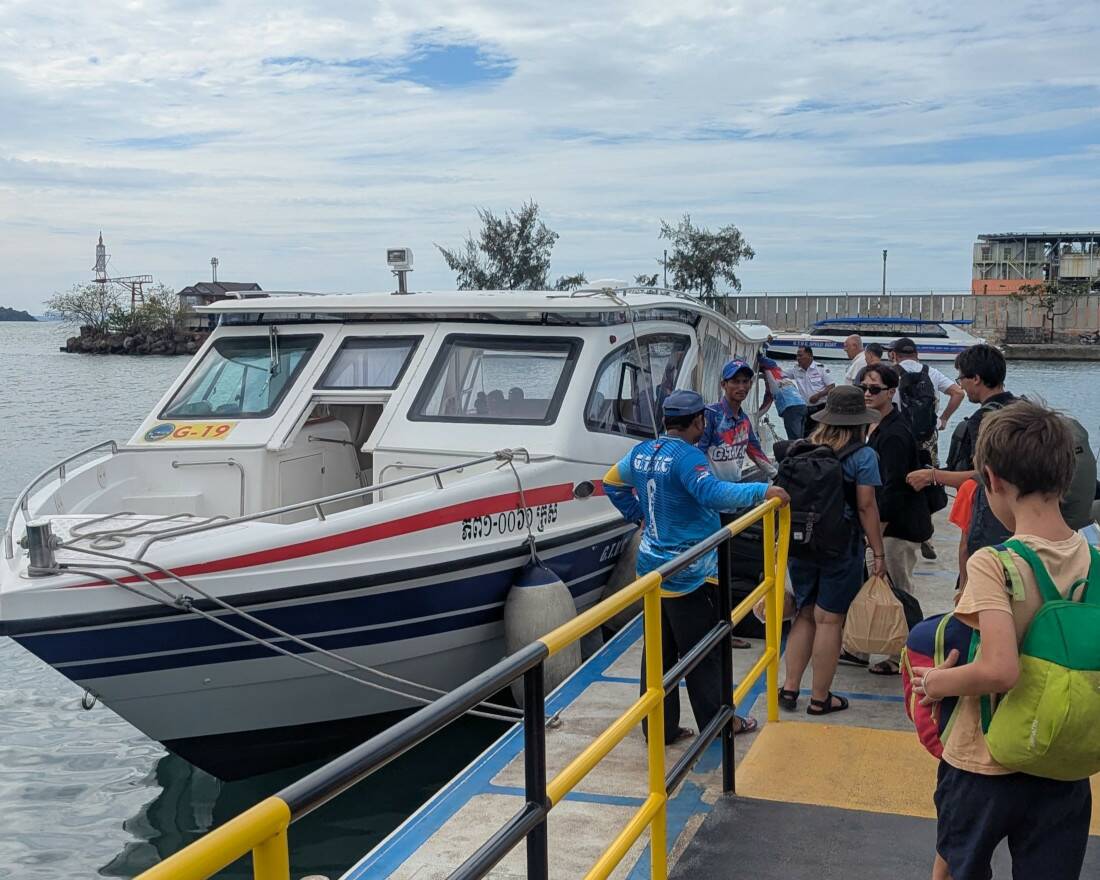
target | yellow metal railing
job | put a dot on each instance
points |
(262, 830)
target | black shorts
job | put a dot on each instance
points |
(1046, 823)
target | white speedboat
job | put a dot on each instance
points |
(360, 474)
(936, 340)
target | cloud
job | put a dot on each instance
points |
(297, 142)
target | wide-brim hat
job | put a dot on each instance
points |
(845, 406)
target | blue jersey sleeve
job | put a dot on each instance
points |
(696, 477)
(618, 485)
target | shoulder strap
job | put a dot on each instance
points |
(924, 370)
(850, 449)
(1013, 581)
(1047, 588)
(1091, 592)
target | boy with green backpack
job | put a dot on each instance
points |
(1017, 766)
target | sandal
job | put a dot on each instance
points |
(885, 667)
(849, 659)
(681, 733)
(747, 725)
(827, 706)
(788, 699)
(740, 643)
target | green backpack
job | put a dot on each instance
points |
(1049, 724)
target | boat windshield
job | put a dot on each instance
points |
(501, 379)
(242, 377)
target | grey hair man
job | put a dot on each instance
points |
(853, 347)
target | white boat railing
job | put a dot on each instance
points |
(22, 503)
(318, 503)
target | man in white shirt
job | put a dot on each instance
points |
(853, 347)
(919, 410)
(812, 380)
(904, 354)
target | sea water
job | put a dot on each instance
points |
(83, 792)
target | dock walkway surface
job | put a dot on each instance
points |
(845, 796)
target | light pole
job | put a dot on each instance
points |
(884, 271)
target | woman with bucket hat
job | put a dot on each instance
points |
(824, 586)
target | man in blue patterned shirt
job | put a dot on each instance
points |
(667, 484)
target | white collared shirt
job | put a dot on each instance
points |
(857, 364)
(811, 380)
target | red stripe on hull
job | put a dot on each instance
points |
(393, 528)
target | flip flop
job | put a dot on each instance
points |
(748, 725)
(850, 659)
(740, 643)
(681, 733)
(885, 667)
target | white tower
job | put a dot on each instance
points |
(101, 261)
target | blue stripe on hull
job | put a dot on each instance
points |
(393, 616)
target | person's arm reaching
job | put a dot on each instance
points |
(619, 489)
(756, 453)
(695, 475)
(955, 397)
(925, 477)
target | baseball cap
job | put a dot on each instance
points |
(903, 345)
(734, 367)
(682, 402)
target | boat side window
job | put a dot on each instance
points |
(497, 379)
(369, 362)
(632, 383)
(242, 377)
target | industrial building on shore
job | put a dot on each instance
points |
(1006, 262)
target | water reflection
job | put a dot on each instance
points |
(188, 802)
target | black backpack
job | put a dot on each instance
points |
(918, 402)
(812, 474)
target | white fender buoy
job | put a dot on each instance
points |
(625, 572)
(537, 603)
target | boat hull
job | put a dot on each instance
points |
(192, 685)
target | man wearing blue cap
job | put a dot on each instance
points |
(728, 436)
(667, 485)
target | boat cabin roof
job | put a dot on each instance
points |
(522, 305)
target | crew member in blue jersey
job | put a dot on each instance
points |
(728, 437)
(667, 485)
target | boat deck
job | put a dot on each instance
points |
(846, 796)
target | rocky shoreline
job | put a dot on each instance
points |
(162, 342)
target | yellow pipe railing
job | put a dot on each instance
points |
(263, 828)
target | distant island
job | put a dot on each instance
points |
(7, 314)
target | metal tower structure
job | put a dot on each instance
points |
(134, 283)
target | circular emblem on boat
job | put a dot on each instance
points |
(583, 489)
(164, 429)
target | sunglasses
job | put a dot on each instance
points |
(871, 389)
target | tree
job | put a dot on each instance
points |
(1052, 298)
(700, 258)
(510, 253)
(88, 305)
(646, 280)
(570, 282)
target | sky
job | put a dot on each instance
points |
(297, 141)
